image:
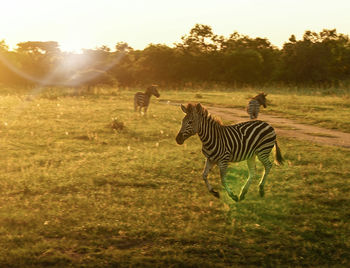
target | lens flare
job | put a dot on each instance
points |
(68, 66)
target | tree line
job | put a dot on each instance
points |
(201, 57)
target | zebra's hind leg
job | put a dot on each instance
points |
(223, 169)
(264, 157)
(207, 168)
(251, 170)
(135, 104)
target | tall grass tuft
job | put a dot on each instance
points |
(116, 124)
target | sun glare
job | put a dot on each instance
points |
(71, 46)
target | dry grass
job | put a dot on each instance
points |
(74, 192)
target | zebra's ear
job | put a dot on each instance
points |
(199, 108)
(183, 108)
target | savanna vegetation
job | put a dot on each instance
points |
(86, 182)
(309, 106)
(202, 57)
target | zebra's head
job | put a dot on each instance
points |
(190, 123)
(152, 90)
(261, 98)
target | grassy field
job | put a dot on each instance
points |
(329, 111)
(87, 182)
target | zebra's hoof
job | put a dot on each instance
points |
(215, 193)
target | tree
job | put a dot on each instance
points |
(9, 66)
(317, 58)
(38, 60)
(200, 40)
(201, 57)
(157, 64)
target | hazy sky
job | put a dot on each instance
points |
(87, 24)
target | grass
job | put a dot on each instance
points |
(286, 127)
(330, 111)
(320, 134)
(86, 182)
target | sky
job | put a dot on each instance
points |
(77, 24)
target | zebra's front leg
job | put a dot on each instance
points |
(207, 168)
(145, 110)
(251, 170)
(223, 169)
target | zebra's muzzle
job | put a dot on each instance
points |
(179, 139)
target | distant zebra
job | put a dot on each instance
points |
(223, 144)
(254, 105)
(141, 99)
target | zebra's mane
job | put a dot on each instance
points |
(253, 98)
(203, 112)
(216, 119)
(259, 96)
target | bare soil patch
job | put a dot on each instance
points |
(284, 127)
(288, 128)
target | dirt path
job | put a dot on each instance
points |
(288, 128)
(285, 127)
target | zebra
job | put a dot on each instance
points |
(234, 143)
(254, 105)
(141, 99)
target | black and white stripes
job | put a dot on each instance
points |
(223, 144)
(253, 107)
(141, 99)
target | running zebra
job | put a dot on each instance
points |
(254, 105)
(141, 99)
(223, 144)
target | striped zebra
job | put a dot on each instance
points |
(254, 105)
(141, 99)
(223, 144)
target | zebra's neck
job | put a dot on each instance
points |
(258, 100)
(147, 93)
(208, 130)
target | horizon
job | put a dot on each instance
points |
(112, 48)
(88, 25)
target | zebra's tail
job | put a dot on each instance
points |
(278, 156)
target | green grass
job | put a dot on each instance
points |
(331, 111)
(286, 127)
(77, 191)
(320, 134)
